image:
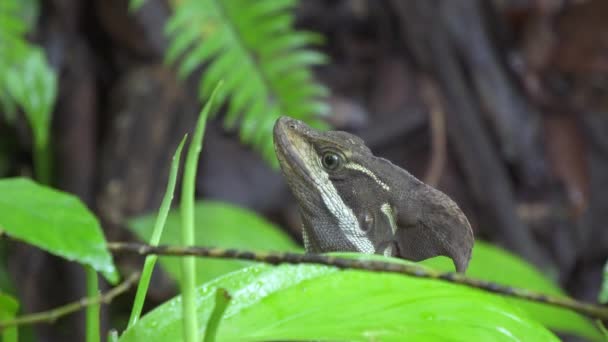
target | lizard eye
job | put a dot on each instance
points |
(331, 161)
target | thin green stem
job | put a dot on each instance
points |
(188, 266)
(222, 299)
(8, 308)
(144, 282)
(42, 164)
(600, 325)
(93, 310)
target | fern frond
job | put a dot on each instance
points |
(264, 62)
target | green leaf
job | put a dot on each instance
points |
(604, 291)
(33, 85)
(497, 265)
(222, 225)
(309, 302)
(54, 221)
(26, 79)
(8, 309)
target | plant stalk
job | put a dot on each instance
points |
(188, 265)
(144, 282)
(93, 310)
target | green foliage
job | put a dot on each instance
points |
(218, 224)
(253, 47)
(604, 291)
(159, 225)
(497, 265)
(25, 76)
(223, 228)
(54, 221)
(8, 310)
(309, 302)
(26, 79)
(33, 85)
(188, 263)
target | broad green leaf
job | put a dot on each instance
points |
(221, 225)
(310, 302)
(54, 221)
(8, 309)
(497, 265)
(604, 291)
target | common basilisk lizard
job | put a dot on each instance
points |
(351, 200)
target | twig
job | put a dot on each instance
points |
(52, 315)
(589, 309)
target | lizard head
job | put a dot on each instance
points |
(350, 200)
(315, 165)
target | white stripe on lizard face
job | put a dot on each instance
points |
(347, 221)
(360, 168)
(388, 211)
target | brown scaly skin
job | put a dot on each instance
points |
(351, 200)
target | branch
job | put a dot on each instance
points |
(52, 315)
(275, 258)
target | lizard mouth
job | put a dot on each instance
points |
(290, 148)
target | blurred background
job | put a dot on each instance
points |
(502, 104)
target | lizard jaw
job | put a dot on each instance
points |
(290, 149)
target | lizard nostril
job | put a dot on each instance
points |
(292, 125)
